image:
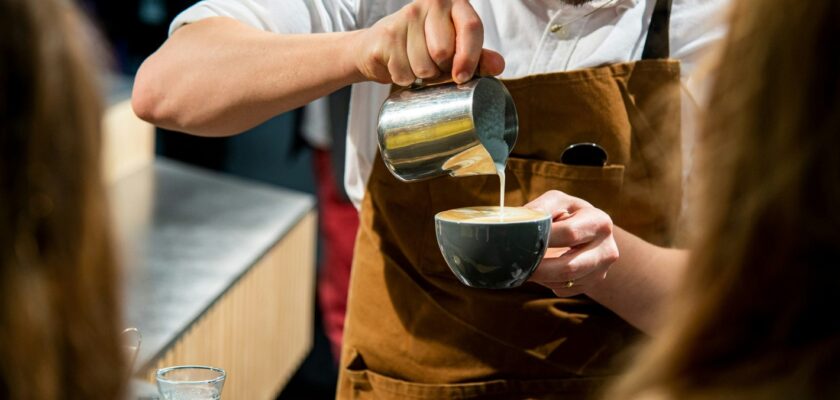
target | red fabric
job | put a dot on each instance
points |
(339, 221)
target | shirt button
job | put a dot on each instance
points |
(558, 30)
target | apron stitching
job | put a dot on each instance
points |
(527, 81)
(613, 70)
(610, 172)
(600, 178)
(630, 105)
(492, 387)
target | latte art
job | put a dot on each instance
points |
(484, 215)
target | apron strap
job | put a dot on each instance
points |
(658, 37)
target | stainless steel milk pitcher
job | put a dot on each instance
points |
(447, 129)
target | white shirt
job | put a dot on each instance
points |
(518, 29)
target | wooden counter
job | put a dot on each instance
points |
(218, 271)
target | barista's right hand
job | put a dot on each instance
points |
(426, 39)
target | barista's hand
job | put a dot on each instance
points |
(426, 39)
(581, 245)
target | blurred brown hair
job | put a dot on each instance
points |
(59, 309)
(756, 314)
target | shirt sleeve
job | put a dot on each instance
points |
(696, 27)
(697, 30)
(280, 16)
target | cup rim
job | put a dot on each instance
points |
(545, 216)
(163, 371)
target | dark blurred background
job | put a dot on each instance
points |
(274, 152)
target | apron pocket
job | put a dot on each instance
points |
(367, 384)
(529, 179)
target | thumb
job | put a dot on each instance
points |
(490, 63)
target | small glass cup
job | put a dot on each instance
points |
(132, 339)
(191, 382)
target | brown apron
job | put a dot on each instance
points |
(413, 331)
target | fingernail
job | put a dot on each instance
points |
(462, 77)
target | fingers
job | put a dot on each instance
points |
(440, 34)
(425, 38)
(441, 37)
(578, 265)
(490, 63)
(422, 65)
(399, 66)
(586, 232)
(469, 38)
(557, 203)
(584, 267)
(583, 226)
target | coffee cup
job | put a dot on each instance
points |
(488, 248)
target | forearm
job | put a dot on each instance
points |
(640, 281)
(219, 77)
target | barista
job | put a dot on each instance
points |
(601, 71)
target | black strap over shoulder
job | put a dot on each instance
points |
(658, 37)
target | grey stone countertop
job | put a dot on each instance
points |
(186, 236)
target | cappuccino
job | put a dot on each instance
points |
(492, 215)
(486, 248)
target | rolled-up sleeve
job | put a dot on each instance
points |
(278, 16)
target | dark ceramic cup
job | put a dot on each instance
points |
(489, 250)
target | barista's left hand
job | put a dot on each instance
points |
(581, 245)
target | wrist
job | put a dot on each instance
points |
(348, 49)
(595, 290)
